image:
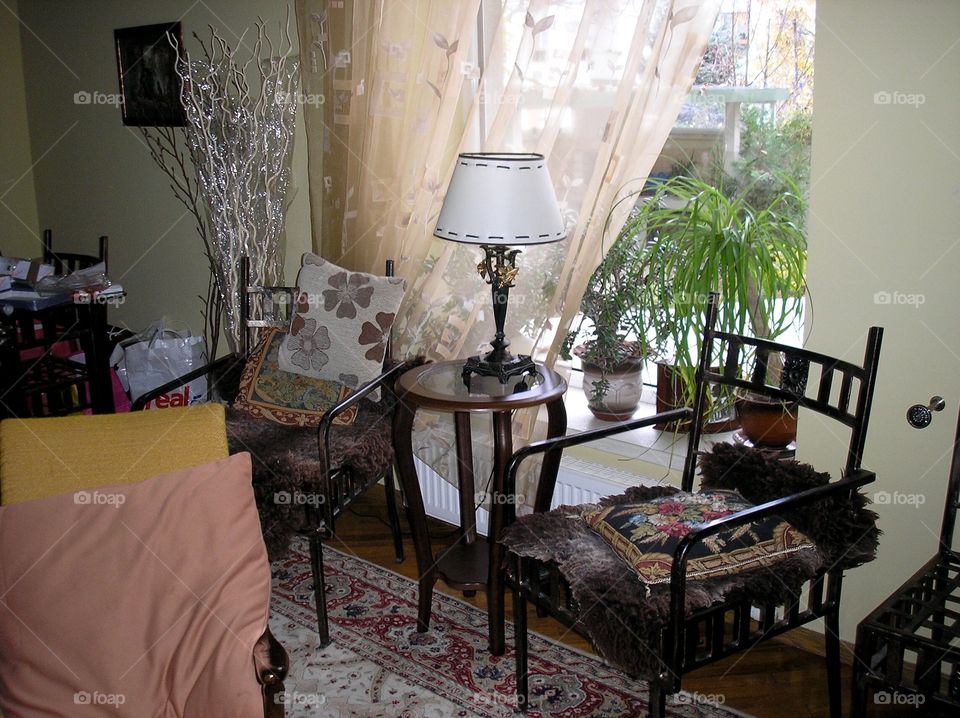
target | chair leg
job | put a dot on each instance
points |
(658, 701)
(832, 639)
(858, 685)
(389, 486)
(425, 602)
(319, 587)
(520, 649)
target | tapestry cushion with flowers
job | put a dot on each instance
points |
(268, 392)
(341, 323)
(646, 534)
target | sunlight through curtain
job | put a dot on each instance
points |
(395, 89)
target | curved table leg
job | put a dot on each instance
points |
(465, 479)
(503, 449)
(556, 426)
(416, 515)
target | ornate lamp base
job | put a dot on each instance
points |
(503, 370)
(498, 268)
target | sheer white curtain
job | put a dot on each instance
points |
(595, 85)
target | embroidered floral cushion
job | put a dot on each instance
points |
(341, 323)
(645, 535)
(268, 392)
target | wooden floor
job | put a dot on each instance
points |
(774, 680)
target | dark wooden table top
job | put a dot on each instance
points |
(441, 386)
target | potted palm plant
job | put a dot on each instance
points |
(698, 240)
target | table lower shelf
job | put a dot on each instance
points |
(465, 567)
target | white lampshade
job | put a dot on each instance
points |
(500, 198)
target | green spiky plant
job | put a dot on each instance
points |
(698, 240)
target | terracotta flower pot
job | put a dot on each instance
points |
(770, 424)
(670, 395)
(623, 395)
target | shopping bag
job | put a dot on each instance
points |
(159, 355)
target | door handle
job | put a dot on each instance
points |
(920, 416)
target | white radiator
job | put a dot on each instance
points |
(578, 482)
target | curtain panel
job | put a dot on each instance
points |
(395, 89)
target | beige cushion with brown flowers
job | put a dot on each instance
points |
(340, 324)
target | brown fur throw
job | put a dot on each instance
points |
(624, 617)
(286, 459)
(843, 528)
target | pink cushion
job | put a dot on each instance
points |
(137, 600)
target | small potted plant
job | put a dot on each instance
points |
(613, 331)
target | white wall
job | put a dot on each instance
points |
(19, 225)
(885, 217)
(94, 176)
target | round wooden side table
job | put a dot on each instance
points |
(471, 564)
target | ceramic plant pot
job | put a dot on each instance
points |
(767, 423)
(670, 393)
(623, 395)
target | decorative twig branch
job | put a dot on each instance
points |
(166, 145)
(240, 144)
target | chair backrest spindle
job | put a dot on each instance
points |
(953, 497)
(68, 262)
(856, 383)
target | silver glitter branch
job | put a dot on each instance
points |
(241, 143)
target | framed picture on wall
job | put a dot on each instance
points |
(147, 67)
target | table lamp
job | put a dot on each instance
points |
(500, 200)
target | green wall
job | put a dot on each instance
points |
(94, 176)
(885, 249)
(19, 225)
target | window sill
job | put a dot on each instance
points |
(646, 453)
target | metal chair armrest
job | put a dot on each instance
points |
(214, 367)
(584, 437)
(678, 569)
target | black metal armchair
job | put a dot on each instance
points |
(908, 648)
(661, 630)
(328, 466)
(67, 262)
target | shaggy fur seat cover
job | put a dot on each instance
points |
(286, 460)
(623, 617)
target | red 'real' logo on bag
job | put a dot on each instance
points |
(171, 400)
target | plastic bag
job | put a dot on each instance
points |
(159, 355)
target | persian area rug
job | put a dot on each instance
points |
(378, 666)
